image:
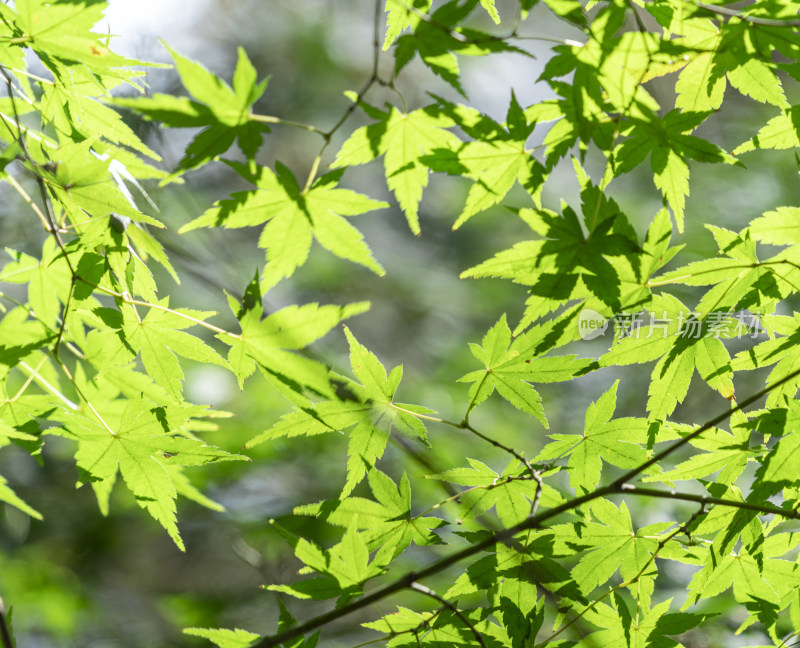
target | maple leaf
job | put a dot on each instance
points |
(223, 637)
(138, 444)
(511, 367)
(223, 111)
(271, 343)
(368, 413)
(158, 337)
(603, 267)
(386, 522)
(619, 442)
(293, 218)
(495, 162)
(403, 138)
(669, 143)
(681, 343)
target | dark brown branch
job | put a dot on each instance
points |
(418, 587)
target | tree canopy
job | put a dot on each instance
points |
(580, 472)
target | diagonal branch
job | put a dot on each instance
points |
(419, 587)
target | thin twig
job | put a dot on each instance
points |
(47, 386)
(465, 425)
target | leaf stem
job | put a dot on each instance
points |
(48, 386)
(34, 373)
(127, 299)
(464, 425)
(733, 13)
(26, 197)
(269, 119)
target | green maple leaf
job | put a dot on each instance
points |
(436, 40)
(740, 281)
(781, 132)
(495, 162)
(399, 17)
(619, 442)
(567, 264)
(272, 343)
(221, 110)
(491, 10)
(83, 184)
(716, 54)
(650, 627)
(403, 138)
(343, 568)
(379, 415)
(668, 142)
(48, 280)
(783, 352)
(64, 31)
(753, 578)
(612, 544)
(293, 218)
(158, 338)
(400, 621)
(510, 492)
(386, 523)
(11, 430)
(368, 412)
(70, 105)
(782, 464)
(511, 367)
(8, 496)
(681, 343)
(724, 453)
(135, 444)
(581, 113)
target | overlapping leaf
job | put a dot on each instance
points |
(511, 367)
(565, 264)
(403, 138)
(294, 217)
(681, 342)
(496, 161)
(138, 443)
(368, 412)
(221, 110)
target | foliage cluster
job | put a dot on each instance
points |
(544, 551)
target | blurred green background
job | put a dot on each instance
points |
(79, 579)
